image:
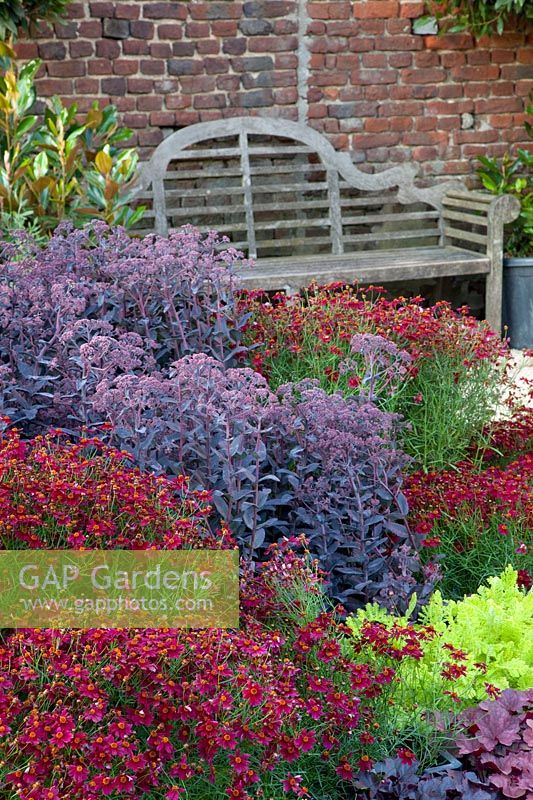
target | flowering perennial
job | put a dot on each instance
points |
(95, 303)
(274, 706)
(57, 495)
(292, 461)
(441, 369)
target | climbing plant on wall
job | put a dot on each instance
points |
(17, 15)
(479, 17)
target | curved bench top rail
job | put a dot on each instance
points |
(337, 166)
(205, 131)
(401, 176)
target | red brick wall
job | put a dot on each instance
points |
(353, 70)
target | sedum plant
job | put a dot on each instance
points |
(60, 167)
(146, 335)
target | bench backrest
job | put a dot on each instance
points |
(279, 188)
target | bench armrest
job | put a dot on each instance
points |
(481, 208)
(476, 220)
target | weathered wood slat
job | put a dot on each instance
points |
(459, 216)
(476, 197)
(272, 274)
(204, 173)
(335, 216)
(199, 211)
(465, 205)
(321, 222)
(362, 238)
(227, 177)
(274, 188)
(465, 236)
(418, 233)
(420, 255)
(208, 152)
(399, 217)
(203, 211)
(274, 152)
(289, 169)
(248, 202)
(233, 152)
(293, 205)
(215, 191)
(292, 242)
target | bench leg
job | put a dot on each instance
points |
(291, 291)
(494, 297)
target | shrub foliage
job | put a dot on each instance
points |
(58, 166)
(17, 15)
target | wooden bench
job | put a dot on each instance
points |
(303, 212)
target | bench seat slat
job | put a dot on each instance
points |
(368, 267)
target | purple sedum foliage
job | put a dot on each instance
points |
(287, 462)
(145, 335)
(86, 288)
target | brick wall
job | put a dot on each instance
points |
(352, 70)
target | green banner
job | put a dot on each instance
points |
(119, 589)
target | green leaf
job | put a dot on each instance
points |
(489, 184)
(25, 125)
(40, 165)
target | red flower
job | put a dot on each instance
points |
(503, 529)
(345, 770)
(329, 650)
(405, 755)
(305, 740)
(253, 693)
(524, 579)
(433, 541)
(365, 763)
(293, 783)
(240, 762)
(175, 793)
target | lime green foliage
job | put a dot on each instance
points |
(494, 626)
(480, 17)
(60, 167)
(17, 15)
(421, 687)
(421, 691)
